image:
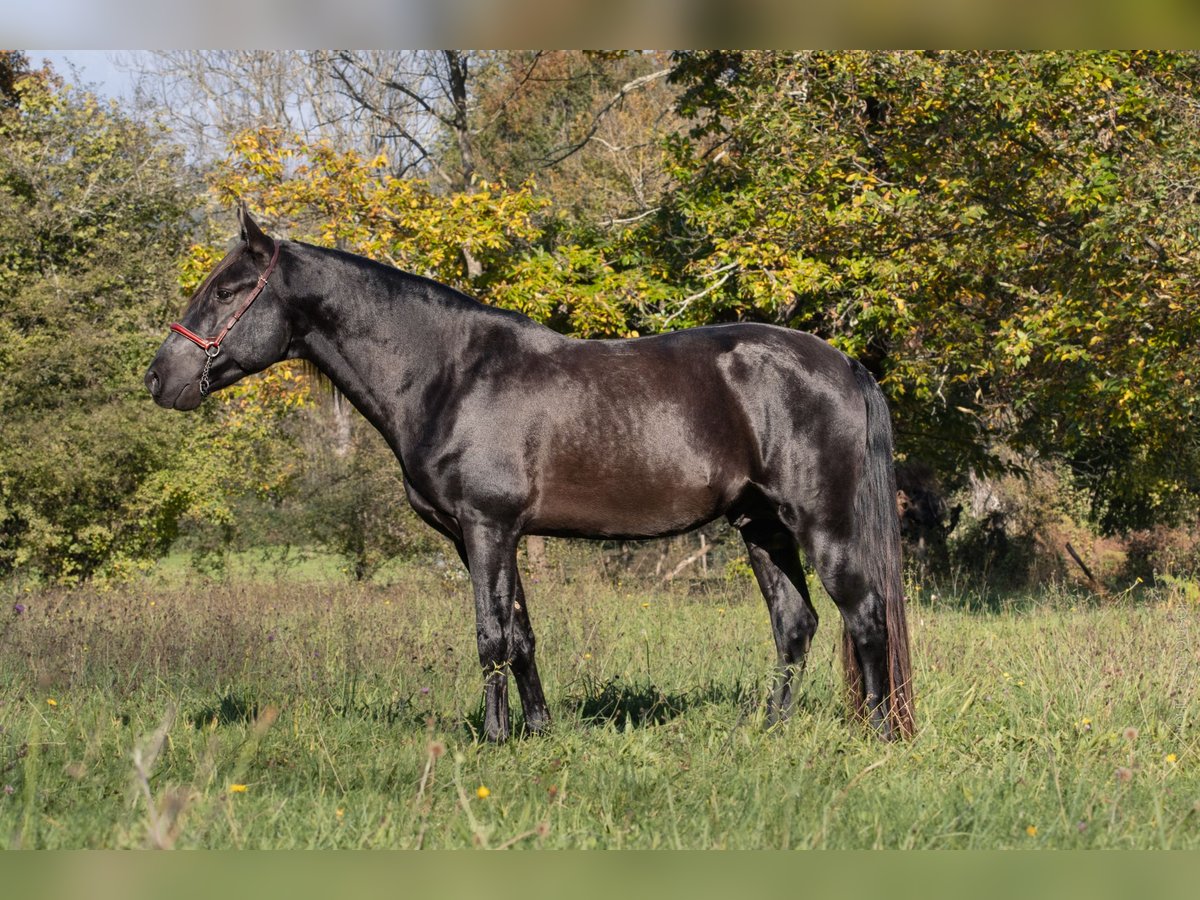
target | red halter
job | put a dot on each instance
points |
(212, 346)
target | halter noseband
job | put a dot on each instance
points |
(212, 346)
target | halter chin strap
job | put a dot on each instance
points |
(212, 346)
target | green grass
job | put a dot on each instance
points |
(349, 715)
(269, 564)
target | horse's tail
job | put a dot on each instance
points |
(875, 511)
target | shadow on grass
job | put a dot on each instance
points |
(228, 710)
(401, 711)
(642, 705)
(233, 709)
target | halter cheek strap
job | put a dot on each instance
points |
(212, 346)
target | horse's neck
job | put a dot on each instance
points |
(383, 337)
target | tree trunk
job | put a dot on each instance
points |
(535, 551)
(458, 66)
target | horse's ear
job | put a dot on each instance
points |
(254, 237)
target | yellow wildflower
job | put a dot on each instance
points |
(237, 789)
(51, 702)
(1170, 757)
(482, 792)
(1031, 830)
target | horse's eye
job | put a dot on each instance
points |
(224, 294)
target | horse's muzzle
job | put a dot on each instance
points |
(185, 398)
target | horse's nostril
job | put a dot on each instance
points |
(152, 383)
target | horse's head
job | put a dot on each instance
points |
(234, 325)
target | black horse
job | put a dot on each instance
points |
(503, 427)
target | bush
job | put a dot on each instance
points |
(93, 217)
(1155, 553)
(352, 495)
(1014, 530)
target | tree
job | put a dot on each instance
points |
(353, 502)
(95, 224)
(92, 218)
(339, 198)
(589, 128)
(1007, 239)
(14, 66)
(211, 95)
(411, 106)
(421, 99)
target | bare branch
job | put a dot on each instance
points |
(687, 301)
(561, 154)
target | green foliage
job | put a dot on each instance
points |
(232, 457)
(91, 216)
(338, 198)
(94, 479)
(1008, 239)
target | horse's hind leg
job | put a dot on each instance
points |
(775, 559)
(865, 657)
(864, 650)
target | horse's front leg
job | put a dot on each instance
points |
(529, 683)
(492, 560)
(502, 629)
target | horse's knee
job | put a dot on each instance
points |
(493, 647)
(800, 631)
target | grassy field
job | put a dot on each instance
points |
(259, 713)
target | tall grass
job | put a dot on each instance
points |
(323, 714)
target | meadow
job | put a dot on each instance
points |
(294, 709)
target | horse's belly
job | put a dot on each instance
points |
(626, 507)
